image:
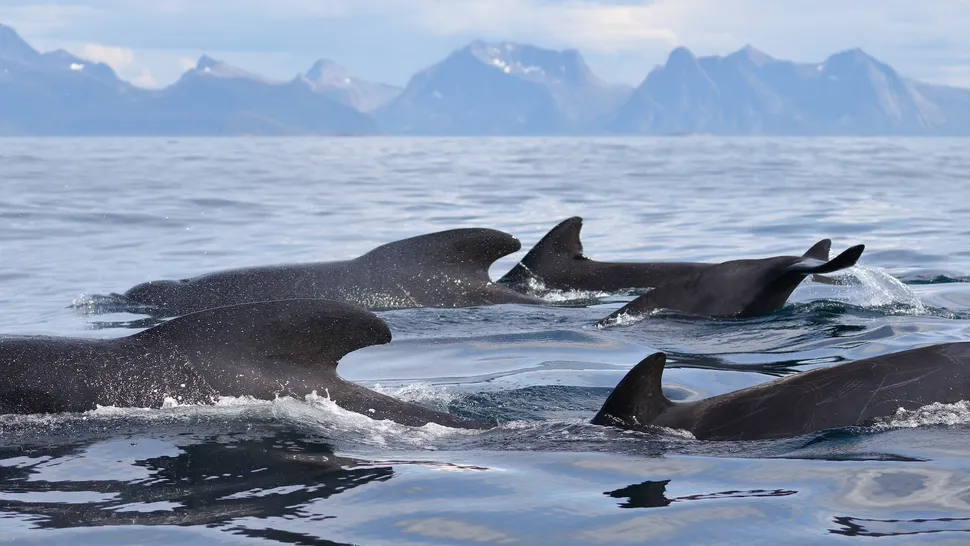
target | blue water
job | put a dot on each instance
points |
(81, 217)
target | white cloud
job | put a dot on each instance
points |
(124, 61)
(144, 79)
(118, 58)
(584, 25)
(186, 63)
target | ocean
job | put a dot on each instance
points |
(80, 218)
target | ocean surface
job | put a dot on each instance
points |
(81, 218)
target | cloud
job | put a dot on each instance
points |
(118, 58)
(186, 63)
(144, 79)
(122, 60)
(581, 24)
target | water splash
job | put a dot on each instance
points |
(539, 289)
(933, 414)
(880, 289)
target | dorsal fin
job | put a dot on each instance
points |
(303, 331)
(476, 248)
(638, 398)
(820, 251)
(848, 258)
(562, 242)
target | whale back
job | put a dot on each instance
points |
(558, 262)
(740, 288)
(851, 394)
(470, 251)
(305, 332)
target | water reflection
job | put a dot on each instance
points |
(862, 527)
(212, 483)
(653, 494)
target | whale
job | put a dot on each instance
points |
(558, 262)
(292, 348)
(263, 349)
(739, 288)
(857, 393)
(442, 269)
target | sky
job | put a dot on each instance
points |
(152, 42)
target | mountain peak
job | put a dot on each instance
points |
(533, 63)
(680, 58)
(752, 54)
(221, 69)
(680, 55)
(326, 71)
(206, 63)
(13, 47)
(855, 55)
(849, 59)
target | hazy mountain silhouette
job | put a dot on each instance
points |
(337, 83)
(484, 88)
(749, 92)
(502, 89)
(59, 94)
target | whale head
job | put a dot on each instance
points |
(155, 293)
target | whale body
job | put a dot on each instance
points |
(442, 269)
(851, 394)
(557, 262)
(740, 288)
(263, 350)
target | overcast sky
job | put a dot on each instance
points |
(151, 42)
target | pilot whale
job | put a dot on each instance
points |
(558, 262)
(263, 349)
(852, 394)
(292, 348)
(442, 269)
(740, 288)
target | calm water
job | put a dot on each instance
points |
(85, 217)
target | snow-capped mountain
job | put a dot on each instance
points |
(337, 83)
(58, 93)
(502, 88)
(215, 97)
(749, 92)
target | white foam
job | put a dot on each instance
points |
(420, 393)
(539, 289)
(315, 411)
(933, 414)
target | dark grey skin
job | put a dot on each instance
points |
(292, 347)
(557, 262)
(845, 395)
(443, 269)
(264, 350)
(740, 288)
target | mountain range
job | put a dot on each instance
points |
(482, 89)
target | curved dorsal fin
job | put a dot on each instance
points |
(847, 258)
(476, 248)
(562, 242)
(302, 331)
(638, 398)
(820, 251)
